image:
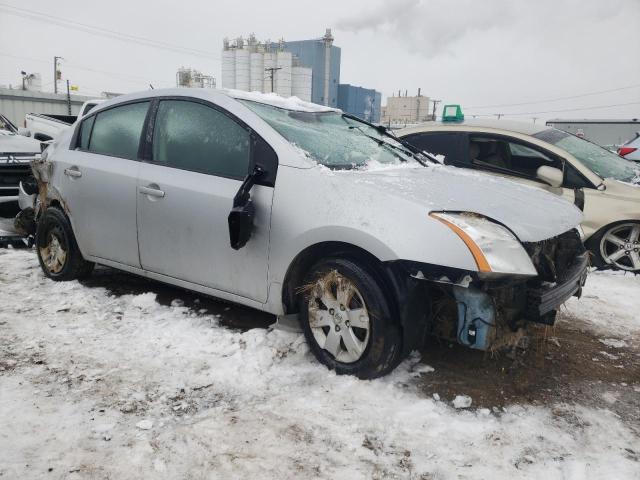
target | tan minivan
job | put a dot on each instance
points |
(605, 186)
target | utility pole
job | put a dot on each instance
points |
(435, 104)
(68, 99)
(534, 119)
(55, 73)
(272, 71)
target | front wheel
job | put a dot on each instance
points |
(57, 249)
(618, 246)
(347, 320)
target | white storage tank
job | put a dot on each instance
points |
(228, 69)
(283, 76)
(301, 83)
(257, 72)
(242, 69)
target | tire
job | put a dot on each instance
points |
(58, 253)
(603, 246)
(329, 325)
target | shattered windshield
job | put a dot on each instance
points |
(603, 162)
(331, 139)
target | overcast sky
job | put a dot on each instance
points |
(477, 53)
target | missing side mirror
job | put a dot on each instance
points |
(241, 216)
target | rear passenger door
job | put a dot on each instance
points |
(199, 155)
(97, 178)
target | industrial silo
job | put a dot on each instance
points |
(301, 82)
(229, 68)
(257, 72)
(242, 69)
(283, 75)
(269, 63)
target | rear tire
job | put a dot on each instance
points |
(347, 320)
(58, 252)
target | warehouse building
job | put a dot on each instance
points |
(405, 110)
(362, 102)
(15, 103)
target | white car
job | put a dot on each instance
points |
(16, 154)
(631, 149)
(297, 209)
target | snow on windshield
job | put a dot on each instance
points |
(331, 139)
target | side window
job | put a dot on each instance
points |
(446, 144)
(196, 137)
(116, 132)
(573, 178)
(489, 152)
(85, 131)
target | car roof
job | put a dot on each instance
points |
(525, 128)
(218, 95)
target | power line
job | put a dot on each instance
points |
(74, 66)
(595, 107)
(557, 99)
(95, 30)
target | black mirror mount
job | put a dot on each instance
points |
(243, 211)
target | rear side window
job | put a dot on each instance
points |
(85, 132)
(116, 132)
(447, 144)
(192, 136)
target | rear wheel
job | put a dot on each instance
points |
(618, 246)
(347, 320)
(57, 249)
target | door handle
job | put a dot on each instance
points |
(73, 172)
(152, 192)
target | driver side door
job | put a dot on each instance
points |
(198, 155)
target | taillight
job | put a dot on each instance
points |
(624, 151)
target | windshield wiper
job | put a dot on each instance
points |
(415, 153)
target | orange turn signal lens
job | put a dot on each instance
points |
(478, 256)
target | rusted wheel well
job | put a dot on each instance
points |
(310, 255)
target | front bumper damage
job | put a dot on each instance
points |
(487, 313)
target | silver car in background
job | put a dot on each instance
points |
(297, 209)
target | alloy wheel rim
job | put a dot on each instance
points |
(620, 247)
(339, 318)
(53, 254)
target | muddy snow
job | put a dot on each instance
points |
(118, 377)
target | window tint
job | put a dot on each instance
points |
(116, 131)
(447, 144)
(193, 136)
(85, 131)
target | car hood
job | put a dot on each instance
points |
(532, 214)
(12, 143)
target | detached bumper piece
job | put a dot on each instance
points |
(542, 302)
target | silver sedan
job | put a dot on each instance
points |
(300, 210)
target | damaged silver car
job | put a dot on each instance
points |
(303, 211)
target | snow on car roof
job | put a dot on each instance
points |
(275, 100)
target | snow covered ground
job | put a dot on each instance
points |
(96, 385)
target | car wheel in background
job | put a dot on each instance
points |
(618, 246)
(347, 320)
(57, 249)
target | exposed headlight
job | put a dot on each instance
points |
(494, 248)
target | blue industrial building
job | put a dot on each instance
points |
(364, 103)
(314, 53)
